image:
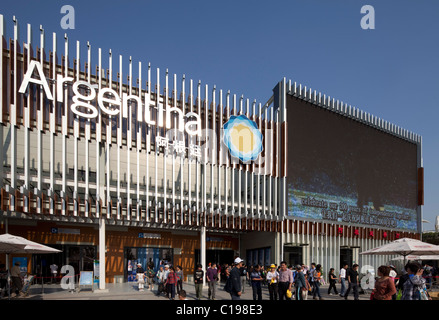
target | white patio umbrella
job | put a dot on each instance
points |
(405, 247)
(415, 257)
(15, 244)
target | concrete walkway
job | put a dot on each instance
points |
(129, 291)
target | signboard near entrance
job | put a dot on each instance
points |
(86, 279)
(96, 271)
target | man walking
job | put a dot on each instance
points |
(198, 280)
(285, 281)
(343, 280)
(212, 278)
(233, 283)
(256, 281)
(352, 276)
(299, 282)
(17, 283)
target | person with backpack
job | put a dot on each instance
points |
(300, 283)
(414, 286)
(150, 274)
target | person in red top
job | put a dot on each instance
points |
(384, 286)
(171, 281)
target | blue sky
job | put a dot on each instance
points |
(248, 46)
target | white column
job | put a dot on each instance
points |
(101, 253)
(203, 249)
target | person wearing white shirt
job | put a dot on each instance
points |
(393, 275)
(53, 271)
(272, 280)
(343, 279)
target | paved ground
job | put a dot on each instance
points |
(129, 291)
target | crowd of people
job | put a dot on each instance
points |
(286, 282)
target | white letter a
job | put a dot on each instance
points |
(368, 21)
(68, 21)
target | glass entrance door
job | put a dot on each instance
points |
(346, 256)
(145, 256)
(293, 255)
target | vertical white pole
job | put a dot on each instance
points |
(239, 170)
(173, 155)
(165, 153)
(220, 153)
(102, 253)
(27, 127)
(40, 131)
(226, 169)
(203, 249)
(197, 172)
(52, 129)
(87, 138)
(108, 137)
(206, 129)
(64, 129)
(212, 152)
(76, 137)
(139, 147)
(98, 141)
(156, 147)
(182, 156)
(148, 144)
(192, 141)
(129, 141)
(119, 143)
(14, 123)
(233, 172)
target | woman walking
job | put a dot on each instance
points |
(179, 274)
(272, 280)
(171, 281)
(332, 281)
(317, 276)
(384, 286)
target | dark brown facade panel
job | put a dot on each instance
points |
(420, 186)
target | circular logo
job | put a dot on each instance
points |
(243, 138)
